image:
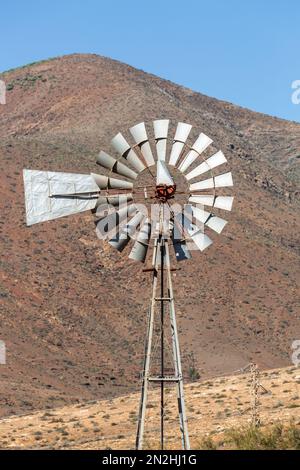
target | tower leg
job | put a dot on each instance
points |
(146, 368)
(161, 264)
(177, 359)
(162, 369)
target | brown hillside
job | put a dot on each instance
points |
(73, 310)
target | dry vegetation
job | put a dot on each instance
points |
(276, 437)
(219, 412)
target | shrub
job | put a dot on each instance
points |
(207, 444)
(276, 437)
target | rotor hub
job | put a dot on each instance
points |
(163, 192)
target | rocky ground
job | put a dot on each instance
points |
(213, 407)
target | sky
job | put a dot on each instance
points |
(244, 52)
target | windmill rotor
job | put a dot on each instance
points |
(202, 182)
(199, 179)
(49, 195)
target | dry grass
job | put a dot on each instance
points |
(219, 413)
(276, 437)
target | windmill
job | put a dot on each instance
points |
(179, 179)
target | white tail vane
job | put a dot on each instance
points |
(49, 195)
(139, 134)
(125, 221)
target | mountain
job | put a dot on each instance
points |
(73, 311)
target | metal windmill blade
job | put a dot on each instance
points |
(105, 182)
(139, 134)
(208, 219)
(212, 162)
(126, 233)
(161, 128)
(220, 181)
(181, 250)
(115, 166)
(123, 148)
(196, 234)
(115, 201)
(141, 245)
(197, 148)
(182, 132)
(220, 202)
(108, 224)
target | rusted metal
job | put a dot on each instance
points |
(163, 192)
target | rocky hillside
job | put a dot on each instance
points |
(72, 310)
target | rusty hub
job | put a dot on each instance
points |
(164, 192)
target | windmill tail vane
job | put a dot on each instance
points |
(154, 192)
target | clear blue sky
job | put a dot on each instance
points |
(245, 52)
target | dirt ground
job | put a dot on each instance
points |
(212, 406)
